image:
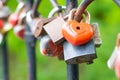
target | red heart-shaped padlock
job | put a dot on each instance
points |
(1, 23)
(77, 33)
(13, 19)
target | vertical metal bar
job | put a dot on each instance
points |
(30, 43)
(72, 69)
(5, 59)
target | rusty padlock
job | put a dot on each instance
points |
(48, 48)
(19, 29)
(97, 38)
(77, 33)
(33, 22)
(79, 54)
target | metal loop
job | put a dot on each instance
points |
(73, 11)
(56, 9)
(28, 16)
(71, 14)
(19, 7)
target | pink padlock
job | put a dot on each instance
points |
(117, 66)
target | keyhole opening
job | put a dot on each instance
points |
(78, 27)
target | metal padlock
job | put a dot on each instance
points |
(48, 48)
(79, 54)
(13, 18)
(55, 10)
(53, 29)
(111, 61)
(19, 29)
(32, 22)
(4, 12)
(97, 38)
(39, 31)
(77, 33)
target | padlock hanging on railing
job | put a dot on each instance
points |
(19, 29)
(48, 48)
(13, 18)
(79, 51)
(78, 33)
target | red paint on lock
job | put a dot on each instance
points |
(1, 23)
(117, 67)
(19, 32)
(13, 19)
(77, 33)
(52, 49)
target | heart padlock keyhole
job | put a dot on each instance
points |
(78, 28)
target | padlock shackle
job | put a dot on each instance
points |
(35, 7)
(84, 4)
(19, 7)
(72, 14)
(54, 3)
(55, 10)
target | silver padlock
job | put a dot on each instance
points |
(48, 48)
(4, 12)
(79, 54)
(19, 29)
(32, 22)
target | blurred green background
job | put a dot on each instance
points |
(105, 12)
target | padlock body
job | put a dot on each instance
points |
(111, 61)
(13, 19)
(79, 54)
(77, 33)
(48, 48)
(19, 31)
